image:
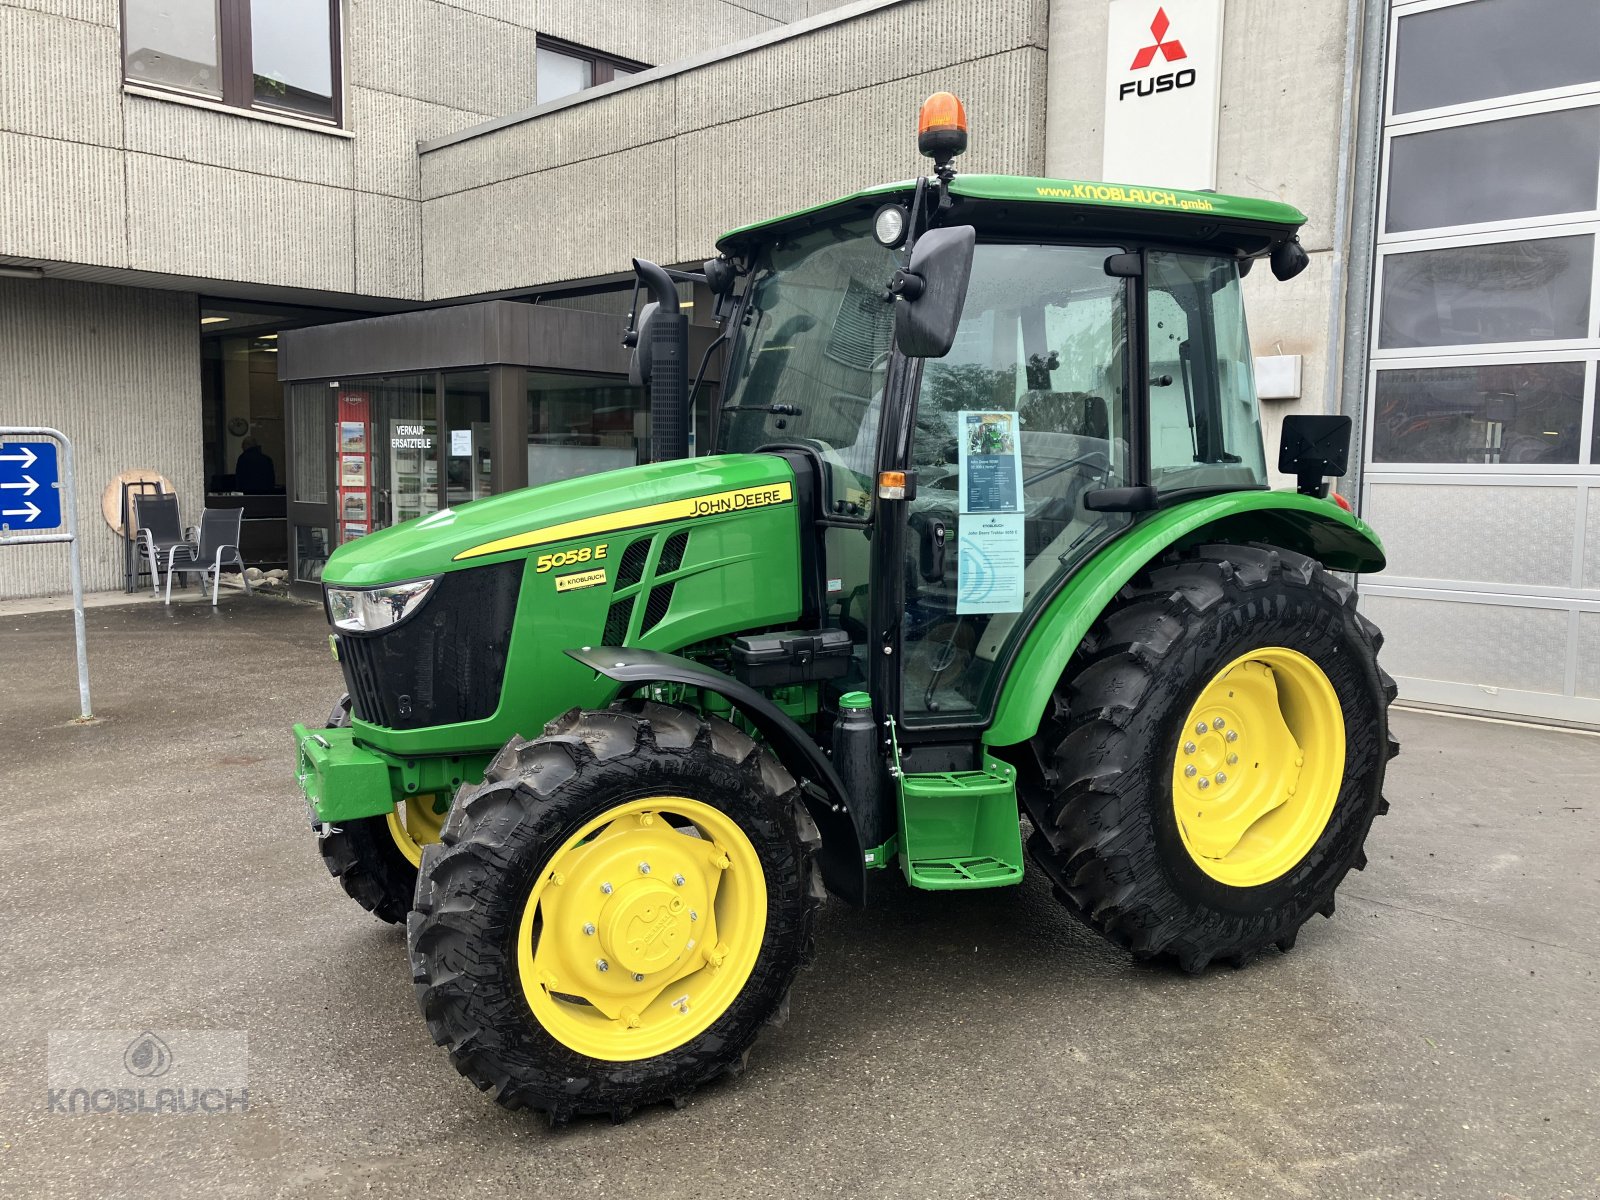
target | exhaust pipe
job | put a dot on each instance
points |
(661, 363)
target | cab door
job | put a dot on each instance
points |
(1027, 414)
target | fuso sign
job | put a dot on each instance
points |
(1163, 65)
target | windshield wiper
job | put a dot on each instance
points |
(782, 410)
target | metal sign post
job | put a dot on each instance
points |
(35, 493)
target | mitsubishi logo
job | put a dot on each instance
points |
(1172, 51)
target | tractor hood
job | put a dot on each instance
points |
(513, 524)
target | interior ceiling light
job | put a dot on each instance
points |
(17, 272)
(212, 320)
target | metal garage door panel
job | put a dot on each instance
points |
(1589, 654)
(1591, 542)
(1476, 533)
(1486, 645)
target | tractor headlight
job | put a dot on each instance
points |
(367, 610)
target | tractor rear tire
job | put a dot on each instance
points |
(1123, 773)
(362, 855)
(530, 929)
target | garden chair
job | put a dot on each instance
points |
(217, 546)
(159, 531)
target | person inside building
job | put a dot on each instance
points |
(253, 474)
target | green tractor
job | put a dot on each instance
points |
(986, 540)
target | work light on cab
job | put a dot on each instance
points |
(889, 225)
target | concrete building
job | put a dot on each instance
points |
(171, 201)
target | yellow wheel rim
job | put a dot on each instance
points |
(1258, 766)
(642, 928)
(414, 824)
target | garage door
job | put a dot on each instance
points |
(1481, 450)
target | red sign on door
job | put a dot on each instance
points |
(355, 465)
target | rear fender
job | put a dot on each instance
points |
(1314, 527)
(842, 856)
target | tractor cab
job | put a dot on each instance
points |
(991, 379)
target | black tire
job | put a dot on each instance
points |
(1100, 797)
(496, 841)
(362, 856)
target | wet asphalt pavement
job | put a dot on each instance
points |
(1439, 1037)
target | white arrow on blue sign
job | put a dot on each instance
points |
(30, 489)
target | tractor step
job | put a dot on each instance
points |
(960, 828)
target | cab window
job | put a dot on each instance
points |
(809, 362)
(1205, 430)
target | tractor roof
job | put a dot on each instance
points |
(1016, 204)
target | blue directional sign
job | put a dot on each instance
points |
(30, 491)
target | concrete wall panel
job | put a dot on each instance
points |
(229, 224)
(387, 129)
(441, 54)
(96, 12)
(660, 31)
(61, 200)
(185, 133)
(632, 117)
(118, 371)
(725, 176)
(556, 224)
(388, 246)
(787, 125)
(1074, 125)
(889, 44)
(43, 62)
(1278, 135)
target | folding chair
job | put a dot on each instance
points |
(218, 546)
(159, 531)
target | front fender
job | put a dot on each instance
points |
(842, 857)
(1318, 528)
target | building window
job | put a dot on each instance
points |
(564, 68)
(278, 56)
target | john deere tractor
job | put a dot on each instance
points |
(985, 547)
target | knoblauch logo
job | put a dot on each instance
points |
(1172, 51)
(147, 1056)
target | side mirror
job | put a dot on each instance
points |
(720, 276)
(639, 361)
(1312, 448)
(1289, 259)
(931, 290)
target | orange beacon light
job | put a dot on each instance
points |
(942, 127)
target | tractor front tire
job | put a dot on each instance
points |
(611, 917)
(363, 857)
(1214, 756)
(364, 854)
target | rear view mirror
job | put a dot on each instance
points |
(639, 363)
(1289, 259)
(1312, 448)
(931, 291)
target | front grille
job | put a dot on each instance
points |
(656, 608)
(672, 553)
(631, 570)
(446, 662)
(617, 618)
